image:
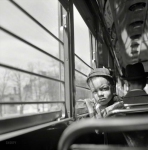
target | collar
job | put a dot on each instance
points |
(136, 92)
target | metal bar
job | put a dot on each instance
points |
(37, 22)
(80, 101)
(30, 102)
(83, 61)
(20, 116)
(30, 129)
(28, 72)
(128, 111)
(30, 44)
(67, 64)
(82, 87)
(103, 125)
(80, 72)
(104, 147)
(69, 59)
(84, 115)
(139, 104)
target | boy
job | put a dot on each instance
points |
(101, 84)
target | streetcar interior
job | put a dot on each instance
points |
(47, 49)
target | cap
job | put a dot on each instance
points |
(99, 72)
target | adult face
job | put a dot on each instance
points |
(101, 89)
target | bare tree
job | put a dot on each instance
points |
(3, 86)
(17, 78)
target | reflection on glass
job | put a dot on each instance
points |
(79, 65)
(17, 86)
(82, 93)
(81, 32)
(80, 80)
(20, 55)
(17, 22)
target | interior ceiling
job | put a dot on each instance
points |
(127, 23)
(130, 18)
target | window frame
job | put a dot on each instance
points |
(67, 34)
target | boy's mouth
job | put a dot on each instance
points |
(102, 99)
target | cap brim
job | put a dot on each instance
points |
(101, 75)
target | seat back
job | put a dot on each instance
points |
(102, 125)
(131, 109)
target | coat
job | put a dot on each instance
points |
(96, 112)
(134, 138)
(136, 96)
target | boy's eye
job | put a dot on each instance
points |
(105, 88)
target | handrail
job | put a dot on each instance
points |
(103, 125)
(103, 147)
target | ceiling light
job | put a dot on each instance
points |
(136, 24)
(137, 6)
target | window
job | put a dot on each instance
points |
(82, 56)
(31, 68)
(35, 75)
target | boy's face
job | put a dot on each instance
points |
(101, 89)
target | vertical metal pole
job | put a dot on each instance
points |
(72, 58)
(60, 49)
(61, 56)
(69, 59)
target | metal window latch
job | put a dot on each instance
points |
(65, 21)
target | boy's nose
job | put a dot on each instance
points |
(100, 93)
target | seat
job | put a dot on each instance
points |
(131, 109)
(109, 125)
(136, 138)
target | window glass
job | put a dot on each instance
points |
(82, 93)
(17, 22)
(81, 32)
(20, 55)
(81, 79)
(46, 12)
(82, 50)
(21, 87)
(79, 65)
